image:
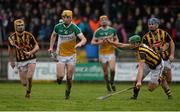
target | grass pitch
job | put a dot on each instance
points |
(50, 97)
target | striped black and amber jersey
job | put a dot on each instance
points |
(159, 42)
(21, 43)
(147, 55)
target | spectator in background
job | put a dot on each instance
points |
(77, 20)
(49, 30)
(130, 24)
(139, 27)
(125, 11)
(42, 31)
(170, 30)
(93, 22)
(177, 26)
(121, 32)
(1, 30)
(35, 26)
(5, 28)
(119, 26)
(85, 27)
(166, 15)
(77, 17)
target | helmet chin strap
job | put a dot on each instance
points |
(104, 26)
(152, 30)
(135, 45)
(19, 32)
(67, 24)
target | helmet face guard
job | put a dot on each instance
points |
(104, 20)
(153, 23)
(134, 41)
(19, 25)
(67, 16)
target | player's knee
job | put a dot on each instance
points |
(169, 77)
(59, 80)
(169, 81)
(167, 71)
(24, 84)
(152, 86)
(69, 78)
(105, 74)
(29, 78)
(151, 89)
(30, 72)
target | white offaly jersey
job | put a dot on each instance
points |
(67, 38)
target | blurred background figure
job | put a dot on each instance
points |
(107, 56)
(129, 15)
(177, 26)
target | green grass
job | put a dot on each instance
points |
(50, 97)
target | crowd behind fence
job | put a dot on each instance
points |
(127, 16)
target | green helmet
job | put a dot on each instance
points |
(135, 39)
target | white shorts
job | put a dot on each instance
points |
(24, 64)
(154, 73)
(67, 59)
(167, 64)
(107, 57)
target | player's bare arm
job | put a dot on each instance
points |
(52, 41)
(82, 42)
(11, 56)
(34, 50)
(172, 49)
(119, 44)
(96, 41)
(116, 40)
(140, 74)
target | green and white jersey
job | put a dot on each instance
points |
(67, 38)
(101, 33)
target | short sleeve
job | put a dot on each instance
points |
(77, 31)
(167, 37)
(142, 56)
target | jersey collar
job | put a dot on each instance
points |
(68, 25)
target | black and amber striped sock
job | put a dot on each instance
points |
(28, 92)
(168, 92)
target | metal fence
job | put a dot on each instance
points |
(44, 56)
